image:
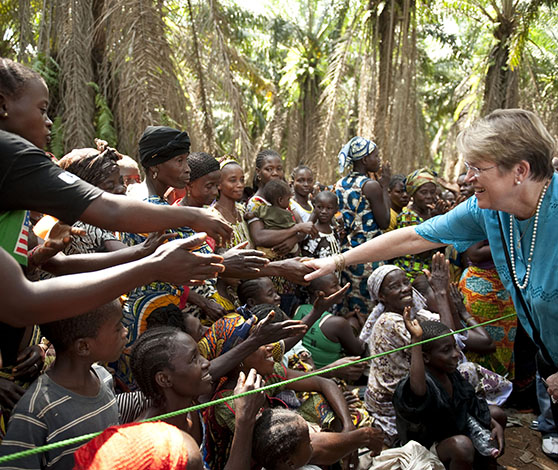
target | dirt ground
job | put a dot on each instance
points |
(523, 445)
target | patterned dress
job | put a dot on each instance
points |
(412, 264)
(360, 226)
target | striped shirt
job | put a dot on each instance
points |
(49, 413)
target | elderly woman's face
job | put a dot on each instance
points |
(174, 172)
(425, 196)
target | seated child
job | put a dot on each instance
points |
(283, 440)
(326, 243)
(75, 396)
(332, 336)
(433, 406)
(276, 215)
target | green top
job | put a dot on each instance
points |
(324, 351)
(14, 231)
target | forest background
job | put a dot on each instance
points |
(298, 76)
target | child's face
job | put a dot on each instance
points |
(303, 182)
(303, 453)
(27, 113)
(396, 292)
(232, 182)
(443, 355)
(204, 190)
(189, 376)
(267, 294)
(112, 337)
(329, 285)
(326, 209)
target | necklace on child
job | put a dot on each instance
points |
(532, 247)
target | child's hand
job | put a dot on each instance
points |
(498, 434)
(308, 228)
(323, 303)
(413, 326)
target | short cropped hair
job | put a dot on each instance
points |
(432, 329)
(275, 189)
(327, 195)
(508, 136)
(63, 333)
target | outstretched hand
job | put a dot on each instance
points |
(323, 303)
(247, 407)
(412, 325)
(213, 223)
(439, 275)
(321, 267)
(175, 263)
(238, 260)
(265, 331)
(57, 239)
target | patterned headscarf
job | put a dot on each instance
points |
(374, 284)
(419, 177)
(141, 446)
(356, 149)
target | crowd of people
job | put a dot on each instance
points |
(132, 297)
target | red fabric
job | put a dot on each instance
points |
(138, 446)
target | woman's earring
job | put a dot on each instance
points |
(5, 114)
(154, 176)
(517, 182)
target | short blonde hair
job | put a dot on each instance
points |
(508, 136)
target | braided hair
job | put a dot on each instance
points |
(201, 164)
(90, 164)
(432, 329)
(277, 435)
(151, 353)
(169, 315)
(14, 76)
(260, 159)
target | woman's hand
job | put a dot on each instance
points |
(498, 434)
(457, 300)
(247, 407)
(372, 439)
(154, 241)
(385, 177)
(323, 303)
(285, 246)
(238, 260)
(439, 275)
(29, 362)
(292, 269)
(321, 267)
(265, 332)
(413, 326)
(212, 309)
(10, 393)
(212, 222)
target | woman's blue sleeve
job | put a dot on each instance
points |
(461, 227)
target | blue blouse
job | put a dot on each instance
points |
(467, 224)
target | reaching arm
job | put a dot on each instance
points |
(330, 447)
(28, 303)
(417, 375)
(338, 329)
(390, 245)
(128, 215)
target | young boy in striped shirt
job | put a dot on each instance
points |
(75, 396)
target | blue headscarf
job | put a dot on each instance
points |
(356, 149)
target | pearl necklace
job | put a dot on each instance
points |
(531, 249)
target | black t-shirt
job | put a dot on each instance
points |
(30, 180)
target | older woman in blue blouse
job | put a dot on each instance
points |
(508, 156)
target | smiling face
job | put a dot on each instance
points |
(443, 355)
(173, 173)
(27, 113)
(188, 374)
(113, 182)
(261, 360)
(465, 187)
(232, 182)
(271, 169)
(396, 292)
(303, 182)
(493, 187)
(424, 197)
(204, 190)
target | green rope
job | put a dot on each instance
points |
(86, 437)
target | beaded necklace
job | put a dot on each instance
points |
(531, 249)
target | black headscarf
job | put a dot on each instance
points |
(161, 143)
